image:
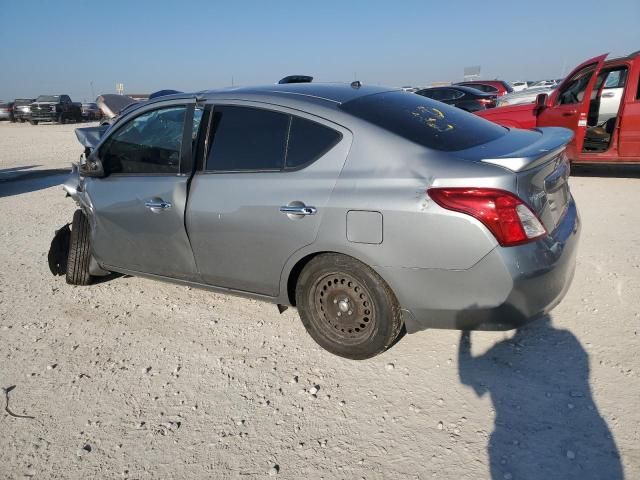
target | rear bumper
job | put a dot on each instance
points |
(507, 288)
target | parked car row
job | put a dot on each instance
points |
(48, 108)
(599, 101)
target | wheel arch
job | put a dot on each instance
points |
(296, 263)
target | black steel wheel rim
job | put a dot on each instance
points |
(344, 308)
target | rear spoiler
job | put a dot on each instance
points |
(552, 141)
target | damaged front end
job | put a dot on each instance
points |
(74, 187)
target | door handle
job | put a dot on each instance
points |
(569, 113)
(298, 210)
(608, 95)
(157, 205)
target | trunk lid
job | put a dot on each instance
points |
(540, 165)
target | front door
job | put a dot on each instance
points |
(262, 193)
(139, 207)
(569, 103)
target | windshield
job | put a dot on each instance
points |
(48, 98)
(424, 121)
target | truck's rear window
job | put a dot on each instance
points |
(424, 121)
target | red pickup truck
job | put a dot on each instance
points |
(576, 104)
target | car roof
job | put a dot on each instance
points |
(336, 93)
(482, 82)
(462, 88)
(311, 97)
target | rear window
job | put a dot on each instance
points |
(424, 121)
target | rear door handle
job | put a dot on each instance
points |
(298, 210)
(157, 205)
(608, 94)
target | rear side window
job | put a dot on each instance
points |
(247, 139)
(423, 121)
(308, 141)
(250, 139)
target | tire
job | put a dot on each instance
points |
(346, 307)
(79, 251)
(33, 122)
(61, 119)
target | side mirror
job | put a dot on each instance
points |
(541, 102)
(92, 167)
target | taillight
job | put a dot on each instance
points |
(508, 218)
(486, 102)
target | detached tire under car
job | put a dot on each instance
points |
(79, 251)
(346, 307)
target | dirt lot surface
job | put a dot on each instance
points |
(132, 378)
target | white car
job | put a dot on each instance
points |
(523, 96)
(518, 86)
(611, 95)
(545, 83)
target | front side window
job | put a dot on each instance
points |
(148, 144)
(573, 90)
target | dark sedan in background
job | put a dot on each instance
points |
(497, 87)
(466, 98)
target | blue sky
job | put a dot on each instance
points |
(63, 46)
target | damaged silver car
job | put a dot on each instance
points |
(373, 211)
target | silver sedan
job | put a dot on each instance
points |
(371, 210)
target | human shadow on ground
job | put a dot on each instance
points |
(547, 425)
(19, 180)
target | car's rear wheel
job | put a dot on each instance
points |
(346, 307)
(79, 251)
(33, 122)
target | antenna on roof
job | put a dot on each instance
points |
(356, 84)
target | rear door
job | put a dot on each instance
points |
(569, 104)
(629, 132)
(262, 192)
(138, 208)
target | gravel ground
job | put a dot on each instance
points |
(132, 378)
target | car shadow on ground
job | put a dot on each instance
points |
(617, 171)
(547, 425)
(19, 180)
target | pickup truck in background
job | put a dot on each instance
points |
(599, 100)
(22, 109)
(54, 108)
